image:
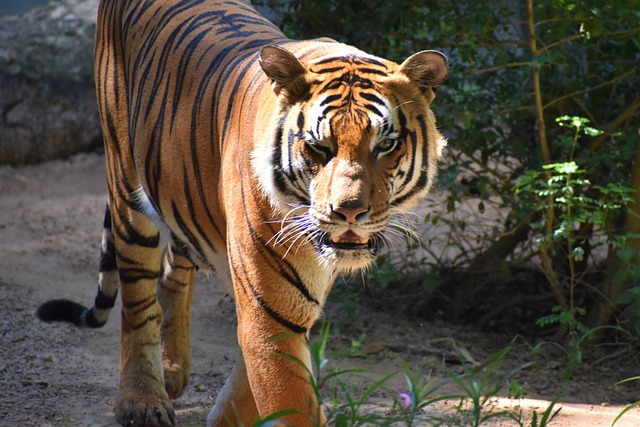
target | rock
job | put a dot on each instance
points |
(48, 107)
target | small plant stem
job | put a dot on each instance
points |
(572, 264)
(570, 241)
(550, 273)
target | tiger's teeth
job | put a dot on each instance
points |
(350, 237)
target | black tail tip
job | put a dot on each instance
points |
(62, 310)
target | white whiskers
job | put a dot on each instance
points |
(399, 231)
(295, 230)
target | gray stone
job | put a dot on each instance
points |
(47, 98)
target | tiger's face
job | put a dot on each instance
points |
(354, 143)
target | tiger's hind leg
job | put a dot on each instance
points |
(175, 292)
(142, 399)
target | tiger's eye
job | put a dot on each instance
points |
(317, 147)
(386, 146)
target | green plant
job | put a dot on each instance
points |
(513, 71)
(345, 294)
(420, 391)
(480, 385)
(628, 407)
(565, 202)
(630, 299)
(348, 395)
(346, 399)
(544, 420)
(579, 332)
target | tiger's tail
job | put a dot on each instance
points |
(62, 310)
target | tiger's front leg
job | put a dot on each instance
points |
(235, 404)
(276, 307)
(279, 370)
(142, 399)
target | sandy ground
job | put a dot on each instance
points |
(56, 375)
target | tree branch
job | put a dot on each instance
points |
(499, 67)
(625, 116)
(590, 89)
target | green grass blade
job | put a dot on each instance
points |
(624, 411)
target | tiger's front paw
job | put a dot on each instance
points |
(145, 412)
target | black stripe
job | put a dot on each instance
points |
(371, 60)
(193, 142)
(329, 70)
(107, 217)
(134, 274)
(424, 177)
(330, 108)
(301, 120)
(132, 236)
(374, 110)
(140, 305)
(192, 213)
(275, 260)
(327, 60)
(423, 128)
(372, 97)
(91, 321)
(104, 301)
(136, 326)
(275, 316)
(247, 284)
(422, 181)
(108, 253)
(330, 99)
(182, 225)
(108, 257)
(372, 71)
(284, 179)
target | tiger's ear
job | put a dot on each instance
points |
(285, 71)
(428, 69)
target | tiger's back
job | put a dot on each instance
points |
(179, 67)
(276, 163)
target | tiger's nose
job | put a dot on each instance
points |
(350, 214)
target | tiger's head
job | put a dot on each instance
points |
(352, 143)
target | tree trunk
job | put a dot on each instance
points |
(487, 262)
(604, 309)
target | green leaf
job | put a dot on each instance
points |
(625, 254)
(578, 253)
(574, 122)
(565, 168)
(588, 130)
(429, 284)
(624, 411)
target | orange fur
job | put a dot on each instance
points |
(276, 163)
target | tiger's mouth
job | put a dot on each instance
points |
(348, 241)
(347, 251)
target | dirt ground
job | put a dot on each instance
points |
(56, 375)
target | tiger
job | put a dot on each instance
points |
(274, 163)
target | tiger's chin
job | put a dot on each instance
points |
(346, 255)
